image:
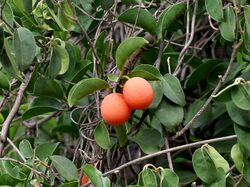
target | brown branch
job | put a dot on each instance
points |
(13, 112)
(216, 89)
(181, 147)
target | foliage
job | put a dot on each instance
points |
(59, 59)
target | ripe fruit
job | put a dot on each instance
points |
(114, 109)
(138, 93)
(84, 180)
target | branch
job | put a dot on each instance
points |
(217, 88)
(13, 112)
(181, 147)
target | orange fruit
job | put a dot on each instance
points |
(84, 180)
(114, 109)
(138, 93)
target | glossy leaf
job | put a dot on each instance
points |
(127, 48)
(170, 115)
(169, 16)
(202, 162)
(101, 135)
(243, 135)
(24, 47)
(42, 105)
(26, 149)
(64, 167)
(95, 176)
(237, 157)
(149, 178)
(215, 9)
(218, 160)
(141, 18)
(59, 63)
(241, 96)
(227, 27)
(146, 71)
(85, 87)
(4, 81)
(241, 117)
(169, 178)
(48, 87)
(121, 133)
(158, 94)
(45, 150)
(172, 89)
(148, 139)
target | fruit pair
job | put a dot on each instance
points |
(116, 107)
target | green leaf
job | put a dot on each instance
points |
(201, 72)
(70, 184)
(168, 17)
(85, 87)
(172, 89)
(65, 167)
(237, 157)
(218, 160)
(106, 4)
(121, 133)
(7, 15)
(95, 176)
(127, 48)
(170, 115)
(202, 162)
(243, 135)
(26, 149)
(169, 178)
(141, 18)
(227, 27)
(241, 96)
(59, 62)
(225, 94)
(148, 139)
(4, 81)
(45, 150)
(24, 47)
(149, 178)
(146, 71)
(42, 105)
(241, 117)
(158, 94)
(48, 87)
(203, 119)
(65, 13)
(101, 135)
(215, 9)
(246, 9)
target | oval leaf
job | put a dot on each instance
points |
(42, 105)
(227, 27)
(243, 135)
(215, 9)
(146, 71)
(24, 47)
(85, 87)
(169, 16)
(149, 178)
(172, 89)
(169, 178)
(65, 167)
(237, 157)
(141, 18)
(241, 96)
(127, 48)
(26, 149)
(101, 135)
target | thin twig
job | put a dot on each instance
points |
(170, 163)
(160, 54)
(196, 144)
(25, 165)
(13, 112)
(188, 43)
(16, 149)
(217, 88)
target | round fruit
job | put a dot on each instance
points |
(138, 93)
(114, 109)
(84, 180)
